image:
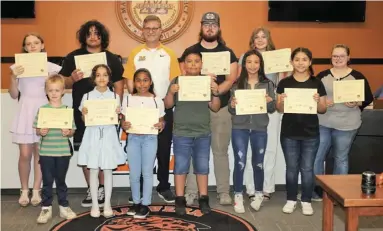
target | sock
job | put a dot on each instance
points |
(108, 181)
(101, 185)
(93, 178)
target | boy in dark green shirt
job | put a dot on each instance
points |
(191, 134)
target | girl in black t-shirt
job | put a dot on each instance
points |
(300, 127)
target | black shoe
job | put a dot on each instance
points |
(101, 196)
(167, 196)
(87, 202)
(130, 200)
(180, 204)
(142, 213)
(135, 209)
(204, 204)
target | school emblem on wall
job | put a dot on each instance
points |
(174, 14)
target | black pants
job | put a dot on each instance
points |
(163, 152)
(54, 169)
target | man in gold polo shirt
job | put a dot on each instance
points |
(163, 66)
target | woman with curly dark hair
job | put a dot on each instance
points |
(94, 38)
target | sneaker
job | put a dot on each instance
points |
(133, 210)
(190, 198)
(36, 197)
(238, 203)
(67, 213)
(143, 212)
(87, 202)
(101, 196)
(45, 215)
(256, 201)
(204, 204)
(307, 209)
(167, 196)
(316, 197)
(289, 207)
(180, 204)
(130, 199)
(224, 199)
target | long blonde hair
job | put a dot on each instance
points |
(270, 45)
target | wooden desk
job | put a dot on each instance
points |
(346, 190)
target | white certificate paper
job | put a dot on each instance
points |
(194, 88)
(277, 61)
(217, 63)
(142, 120)
(300, 101)
(86, 62)
(348, 91)
(101, 112)
(34, 64)
(250, 102)
(55, 118)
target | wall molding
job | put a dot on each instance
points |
(316, 61)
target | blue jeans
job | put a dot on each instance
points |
(185, 148)
(141, 151)
(299, 157)
(340, 144)
(240, 140)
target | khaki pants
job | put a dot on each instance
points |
(220, 140)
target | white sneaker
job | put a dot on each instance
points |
(307, 209)
(289, 207)
(256, 201)
(45, 215)
(67, 213)
(238, 203)
(224, 199)
(190, 198)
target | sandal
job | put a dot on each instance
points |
(24, 197)
(266, 196)
(36, 197)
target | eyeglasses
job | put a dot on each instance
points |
(212, 25)
(339, 56)
(154, 29)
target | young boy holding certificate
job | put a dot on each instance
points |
(191, 134)
(300, 127)
(249, 124)
(55, 154)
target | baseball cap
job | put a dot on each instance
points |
(210, 17)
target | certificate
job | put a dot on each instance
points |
(250, 102)
(101, 112)
(277, 61)
(300, 101)
(194, 88)
(142, 120)
(86, 62)
(55, 118)
(217, 63)
(34, 64)
(348, 91)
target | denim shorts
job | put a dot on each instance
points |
(185, 148)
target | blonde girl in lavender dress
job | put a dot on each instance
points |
(30, 96)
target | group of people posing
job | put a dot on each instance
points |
(151, 77)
